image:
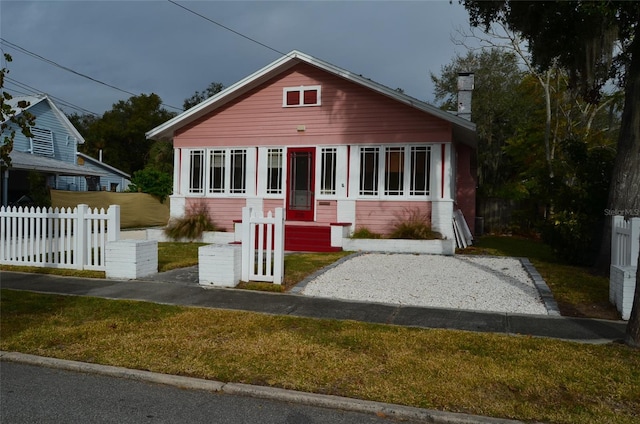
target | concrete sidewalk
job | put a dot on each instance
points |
(177, 288)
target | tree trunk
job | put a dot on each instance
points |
(624, 194)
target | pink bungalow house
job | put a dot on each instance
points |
(326, 145)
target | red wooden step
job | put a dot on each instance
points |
(307, 238)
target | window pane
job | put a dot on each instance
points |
(394, 171)
(369, 171)
(310, 97)
(196, 171)
(238, 171)
(216, 171)
(274, 171)
(328, 171)
(293, 98)
(420, 170)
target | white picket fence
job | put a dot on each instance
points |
(57, 238)
(625, 244)
(262, 245)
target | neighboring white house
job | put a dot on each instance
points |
(52, 151)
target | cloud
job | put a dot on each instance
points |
(153, 46)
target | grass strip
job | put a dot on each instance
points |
(524, 378)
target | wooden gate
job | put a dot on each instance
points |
(262, 245)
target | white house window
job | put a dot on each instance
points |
(238, 171)
(274, 171)
(301, 96)
(196, 164)
(420, 170)
(42, 141)
(217, 161)
(328, 170)
(395, 171)
(369, 160)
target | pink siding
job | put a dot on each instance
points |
(370, 215)
(326, 211)
(466, 185)
(222, 211)
(349, 114)
(272, 204)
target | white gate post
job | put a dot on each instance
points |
(246, 243)
(80, 255)
(278, 247)
(113, 223)
(634, 234)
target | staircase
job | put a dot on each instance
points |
(308, 238)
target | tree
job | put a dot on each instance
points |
(595, 42)
(201, 96)
(153, 182)
(497, 109)
(120, 132)
(10, 119)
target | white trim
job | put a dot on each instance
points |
(301, 89)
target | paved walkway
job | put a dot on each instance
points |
(178, 288)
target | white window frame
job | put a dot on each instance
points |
(248, 176)
(326, 169)
(301, 89)
(191, 187)
(380, 190)
(275, 156)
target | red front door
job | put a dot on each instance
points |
(300, 184)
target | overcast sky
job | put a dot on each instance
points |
(158, 47)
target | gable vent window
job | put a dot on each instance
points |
(41, 142)
(301, 96)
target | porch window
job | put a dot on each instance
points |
(369, 160)
(216, 171)
(196, 180)
(394, 171)
(328, 171)
(274, 171)
(238, 171)
(301, 96)
(420, 170)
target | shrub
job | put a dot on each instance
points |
(191, 226)
(364, 233)
(151, 181)
(414, 225)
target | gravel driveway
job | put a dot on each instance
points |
(457, 282)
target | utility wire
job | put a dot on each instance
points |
(33, 90)
(227, 28)
(51, 62)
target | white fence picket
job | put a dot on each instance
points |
(56, 238)
(262, 246)
(624, 241)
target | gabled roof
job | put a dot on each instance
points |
(100, 164)
(34, 100)
(463, 129)
(29, 162)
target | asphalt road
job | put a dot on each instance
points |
(32, 394)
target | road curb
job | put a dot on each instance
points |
(262, 392)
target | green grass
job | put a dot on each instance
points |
(530, 379)
(173, 255)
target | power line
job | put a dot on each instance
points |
(57, 99)
(227, 28)
(51, 62)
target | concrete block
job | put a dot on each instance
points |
(220, 265)
(131, 259)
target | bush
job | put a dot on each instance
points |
(414, 225)
(191, 226)
(364, 233)
(151, 181)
